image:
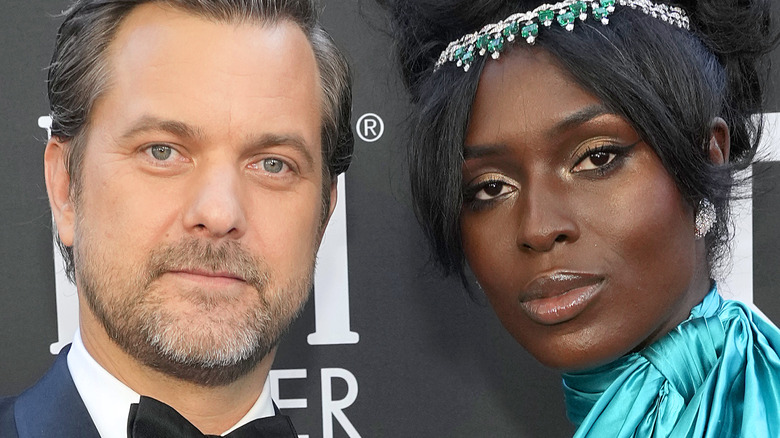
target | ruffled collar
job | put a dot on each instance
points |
(683, 357)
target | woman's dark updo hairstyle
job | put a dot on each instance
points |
(669, 83)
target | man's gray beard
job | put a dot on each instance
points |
(136, 317)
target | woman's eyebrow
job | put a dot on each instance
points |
(579, 117)
(481, 150)
(583, 115)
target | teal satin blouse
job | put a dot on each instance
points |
(717, 374)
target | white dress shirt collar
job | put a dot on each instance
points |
(108, 400)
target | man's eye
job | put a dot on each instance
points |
(161, 152)
(272, 165)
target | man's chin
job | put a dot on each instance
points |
(201, 370)
(210, 347)
(191, 362)
(205, 348)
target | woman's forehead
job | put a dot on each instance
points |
(527, 90)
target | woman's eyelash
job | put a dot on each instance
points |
(616, 154)
(471, 191)
(472, 202)
(619, 152)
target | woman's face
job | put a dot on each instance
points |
(573, 227)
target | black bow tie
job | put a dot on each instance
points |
(150, 418)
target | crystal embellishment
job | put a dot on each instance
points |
(580, 8)
(493, 37)
(566, 20)
(601, 14)
(495, 46)
(529, 32)
(546, 16)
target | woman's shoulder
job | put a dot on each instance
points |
(747, 329)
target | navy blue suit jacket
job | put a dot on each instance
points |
(49, 409)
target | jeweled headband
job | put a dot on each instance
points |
(493, 37)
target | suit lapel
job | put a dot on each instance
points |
(53, 407)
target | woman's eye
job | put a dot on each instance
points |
(595, 160)
(272, 165)
(161, 152)
(492, 189)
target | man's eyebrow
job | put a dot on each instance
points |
(155, 124)
(293, 140)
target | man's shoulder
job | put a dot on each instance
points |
(6, 404)
(50, 408)
(7, 423)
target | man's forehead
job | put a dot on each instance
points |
(169, 64)
(151, 21)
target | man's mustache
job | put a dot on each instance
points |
(227, 258)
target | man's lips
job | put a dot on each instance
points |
(207, 276)
(559, 297)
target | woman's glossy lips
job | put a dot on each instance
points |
(559, 297)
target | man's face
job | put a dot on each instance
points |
(199, 216)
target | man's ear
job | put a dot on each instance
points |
(58, 188)
(720, 142)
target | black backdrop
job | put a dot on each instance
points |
(428, 362)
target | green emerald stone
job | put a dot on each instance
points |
(468, 57)
(482, 42)
(578, 8)
(496, 44)
(512, 29)
(607, 3)
(600, 13)
(530, 30)
(546, 15)
(566, 19)
(459, 52)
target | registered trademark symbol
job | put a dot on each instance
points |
(45, 123)
(370, 127)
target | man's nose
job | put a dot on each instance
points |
(216, 208)
(546, 219)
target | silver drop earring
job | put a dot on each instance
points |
(705, 218)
